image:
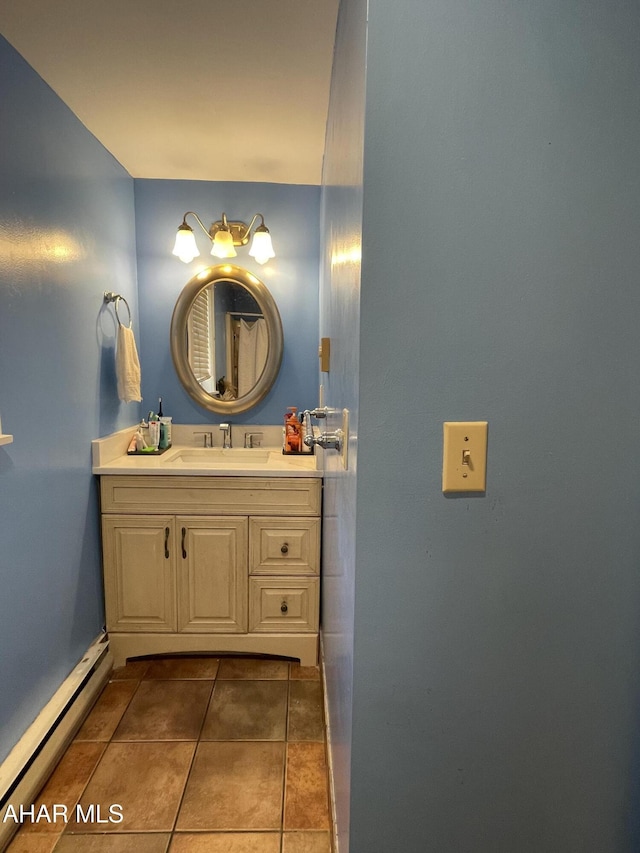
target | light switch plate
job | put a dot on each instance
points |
(464, 458)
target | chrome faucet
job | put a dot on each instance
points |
(226, 436)
(326, 440)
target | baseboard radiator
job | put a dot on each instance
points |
(30, 763)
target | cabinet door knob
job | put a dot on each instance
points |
(166, 543)
(184, 551)
(284, 607)
(285, 548)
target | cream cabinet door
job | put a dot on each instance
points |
(212, 567)
(139, 572)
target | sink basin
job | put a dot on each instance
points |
(217, 457)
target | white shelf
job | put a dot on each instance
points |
(5, 439)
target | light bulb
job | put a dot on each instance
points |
(185, 246)
(261, 246)
(223, 245)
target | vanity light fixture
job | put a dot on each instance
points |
(224, 236)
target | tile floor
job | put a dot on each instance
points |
(204, 755)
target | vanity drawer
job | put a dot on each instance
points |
(284, 546)
(283, 604)
(211, 495)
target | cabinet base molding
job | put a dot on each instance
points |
(303, 647)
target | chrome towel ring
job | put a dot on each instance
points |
(109, 296)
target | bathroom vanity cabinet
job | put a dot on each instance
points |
(211, 564)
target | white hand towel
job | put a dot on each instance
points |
(127, 366)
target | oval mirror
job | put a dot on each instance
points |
(226, 339)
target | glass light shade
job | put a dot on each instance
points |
(223, 245)
(185, 246)
(261, 247)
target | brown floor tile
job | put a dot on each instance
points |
(107, 712)
(146, 779)
(226, 842)
(305, 842)
(183, 667)
(306, 804)
(149, 842)
(253, 668)
(234, 786)
(135, 670)
(306, 717)
(65, 787)
(32, 843)
(306, 673)
(165, 710)
(247, 710)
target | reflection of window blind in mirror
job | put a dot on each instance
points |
(200, 340)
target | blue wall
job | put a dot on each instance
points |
(340, 320)
(292, 215)
(497, 638)
(68, 218)
(66, 235)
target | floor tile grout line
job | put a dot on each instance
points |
(184, 788)
(193, 757)
(164, 741)
(105, 745)
(284, 757)
(125, 709)
(195, 752)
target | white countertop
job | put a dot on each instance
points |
(187, 457)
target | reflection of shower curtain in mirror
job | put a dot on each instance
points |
(252, 354)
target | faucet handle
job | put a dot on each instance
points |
(253, 439)
(207, 438)
(326, 440)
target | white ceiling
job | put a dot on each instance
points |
(194, 89)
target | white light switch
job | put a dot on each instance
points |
(464, 463)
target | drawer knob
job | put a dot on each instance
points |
(285, 548)
(284, 607)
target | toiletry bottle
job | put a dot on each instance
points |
(165, 428)
(154, 430)
(292, 431)
(165, 433)
(140, 439)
